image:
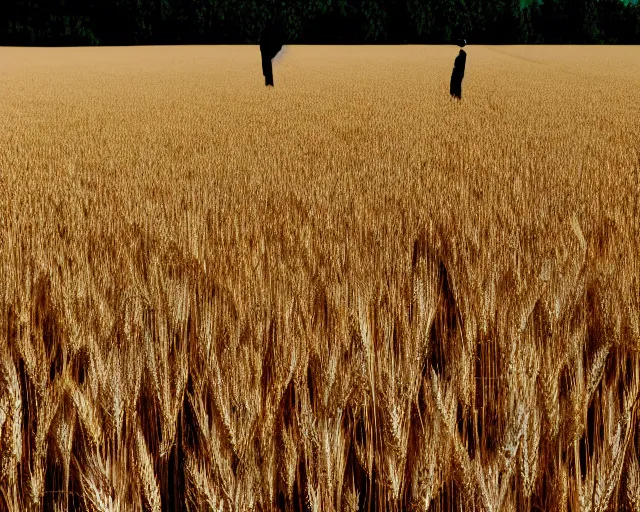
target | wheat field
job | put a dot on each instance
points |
(345, 293)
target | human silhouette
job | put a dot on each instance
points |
(271, 42)
(455, 89)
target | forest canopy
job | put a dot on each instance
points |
(131, 22)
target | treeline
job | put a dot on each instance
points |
(125, 22)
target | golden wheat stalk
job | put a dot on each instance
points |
(146, 474)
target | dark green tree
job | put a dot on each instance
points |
(121, 22)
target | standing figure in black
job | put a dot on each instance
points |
(271, 42)
(455, 89)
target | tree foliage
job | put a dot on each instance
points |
(118, 22)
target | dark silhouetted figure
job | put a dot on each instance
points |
(455, 89)
(271, 42)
